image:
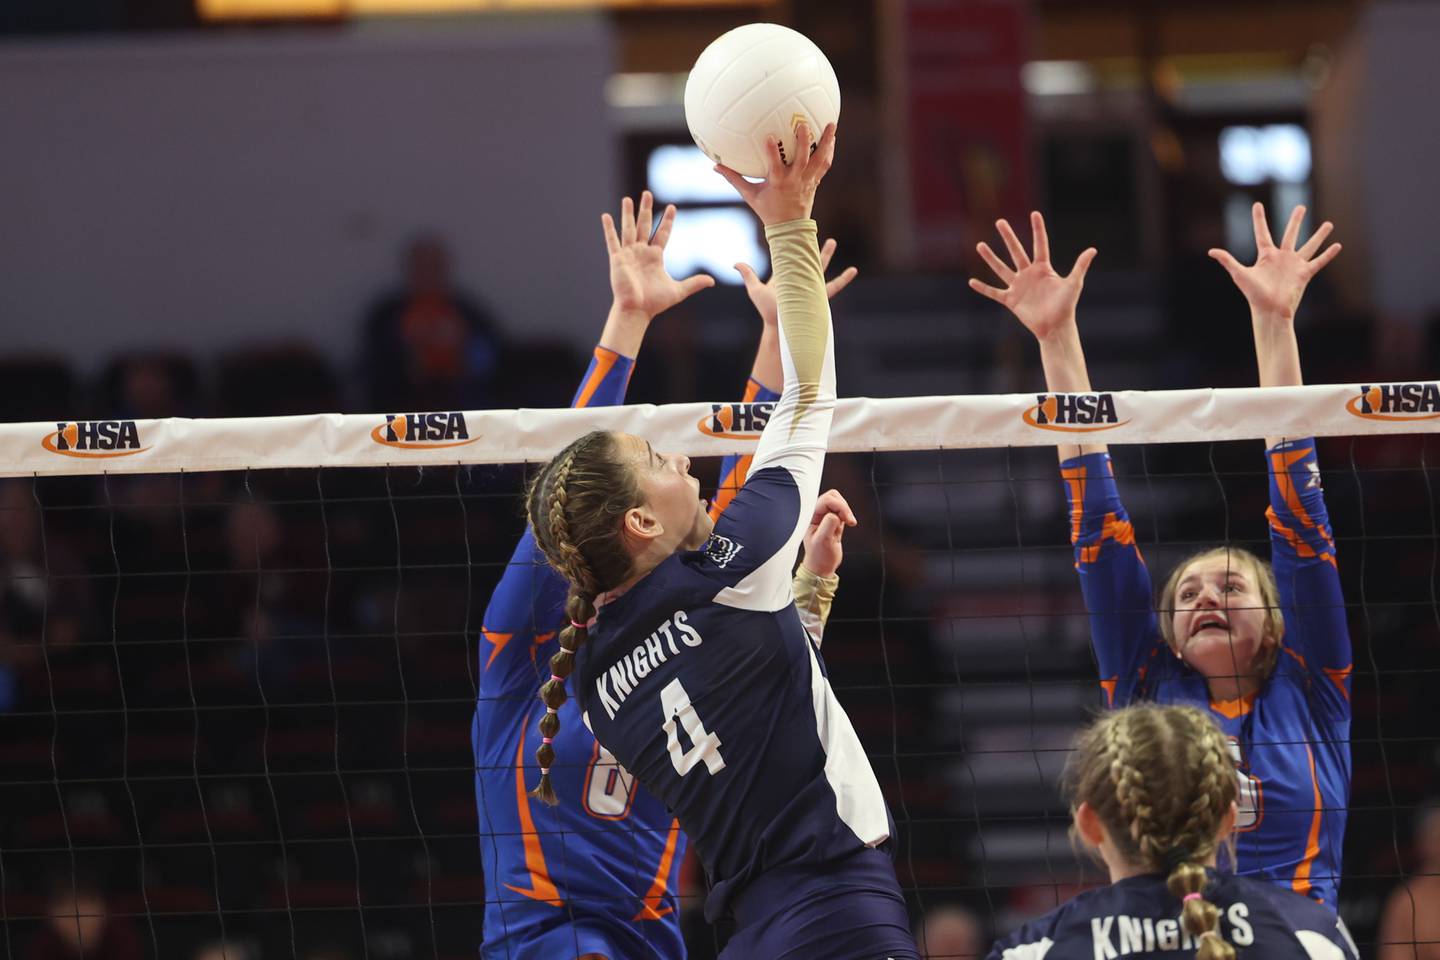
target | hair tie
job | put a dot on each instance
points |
(544, 771)
(558, 679)
(547, 739)
(579, 626)
(1191, 896)
(549, 709)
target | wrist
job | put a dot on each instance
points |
(1065, 333)
(1272, 319)
(630, 316)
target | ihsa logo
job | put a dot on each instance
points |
(421, 431)
(1073, 412)
(1396, 401)
(736, 421)
(94, 438)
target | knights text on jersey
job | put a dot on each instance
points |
(1138, 917)
(725, 712)
(1291, 741)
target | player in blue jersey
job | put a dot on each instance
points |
(597, 876)
(1264, 648)
(1152, 791)
(691, 662)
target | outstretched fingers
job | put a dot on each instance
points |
(612, 240)
(827, 250)
(1313, 244)
(1042, 239)
(1223, 257)
(1012, 243)
(693, 285)
(644, 220)
(667, 223)
(1292, 229)
(1002, 270)
(1263, 238)
(985, 290)
(1082, 264)
(627, 221)
(842, 281)
(1320, 262)
(744, 187)
(818, 163)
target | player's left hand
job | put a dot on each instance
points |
(823, 552)
(638, 279)
(1276, 282)
(763, 294)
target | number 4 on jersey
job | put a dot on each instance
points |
(676, 706)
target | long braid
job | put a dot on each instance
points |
(1161, 779)
(583, 488)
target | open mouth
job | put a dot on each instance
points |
(1209, 621)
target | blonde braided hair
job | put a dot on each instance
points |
(574, 507)
(1161, 780)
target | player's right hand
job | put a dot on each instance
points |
(1039, 297)
(787, 192)
(638, 280)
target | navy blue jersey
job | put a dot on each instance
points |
(1139, 917)
(701, 679)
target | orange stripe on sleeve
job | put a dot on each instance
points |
(1075, 478)
(1338, 677)
(655, 896)
(1109, 687)
(1281, 463)
(604, 361)
(541, 886)
(1301, 881)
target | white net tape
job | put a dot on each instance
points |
(716, 429)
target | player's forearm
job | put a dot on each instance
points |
(1063, 358)
(803, 308)
(814, 595)
(624, 331)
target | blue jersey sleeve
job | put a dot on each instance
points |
(752, 552)
(735, 468)
(528, 605)
(1113, 577)
(1303, 557)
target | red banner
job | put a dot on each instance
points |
(968, 134)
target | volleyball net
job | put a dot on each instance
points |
(238, 657)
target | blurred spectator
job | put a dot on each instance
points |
(223, 950)
(951, 932)
(1410, 928)
(427, 345)
(79, 926)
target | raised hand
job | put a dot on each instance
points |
(1274, 285)
(787, 192)
(638, 280)
(1039, 297)
(823, 551)
(762, 295)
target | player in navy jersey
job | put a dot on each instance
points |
(597, 876)
(1152, 792)
(691, 661)
(1265, 649)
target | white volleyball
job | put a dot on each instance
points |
(758, 81)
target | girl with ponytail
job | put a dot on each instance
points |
(1152, 793)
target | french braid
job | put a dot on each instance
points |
(574, 507)
(1161, 780)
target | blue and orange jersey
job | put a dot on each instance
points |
(1138, 917)
(598, 873)
(1292, 738)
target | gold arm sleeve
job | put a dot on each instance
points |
(813, 596)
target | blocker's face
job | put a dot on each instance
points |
(1219, 617)
(671, 493)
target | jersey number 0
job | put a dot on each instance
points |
(704, 745)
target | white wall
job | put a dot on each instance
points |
(203, 191)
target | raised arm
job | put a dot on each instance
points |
(818, 576)
(528, 603)
(1302, 543)
(1045, 303)
(1113, 577)
(765, 522)
(766, 376)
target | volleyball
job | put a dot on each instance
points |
(758, 81)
